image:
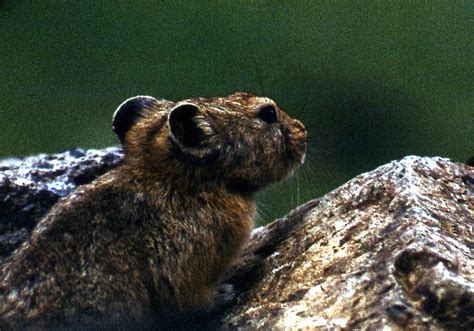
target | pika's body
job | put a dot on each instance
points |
(155, 234)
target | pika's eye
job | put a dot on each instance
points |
(267, 114)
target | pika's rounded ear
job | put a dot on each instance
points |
(128, 113)
(187, 126)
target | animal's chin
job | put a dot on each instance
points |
(289, 162)
(243, 186)
(246, 186)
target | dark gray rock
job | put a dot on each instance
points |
(30, 186)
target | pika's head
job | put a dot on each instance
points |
(242, 141)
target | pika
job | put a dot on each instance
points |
(155, 234)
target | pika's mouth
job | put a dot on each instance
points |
(297, 152)
(296, 140)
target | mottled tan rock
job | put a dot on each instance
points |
(391, 249)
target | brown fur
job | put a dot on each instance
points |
(155, 234)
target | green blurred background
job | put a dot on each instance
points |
(373, 81)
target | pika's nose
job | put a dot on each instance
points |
(299, 130)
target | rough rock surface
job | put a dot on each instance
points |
(30, 186)
(391, 248)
